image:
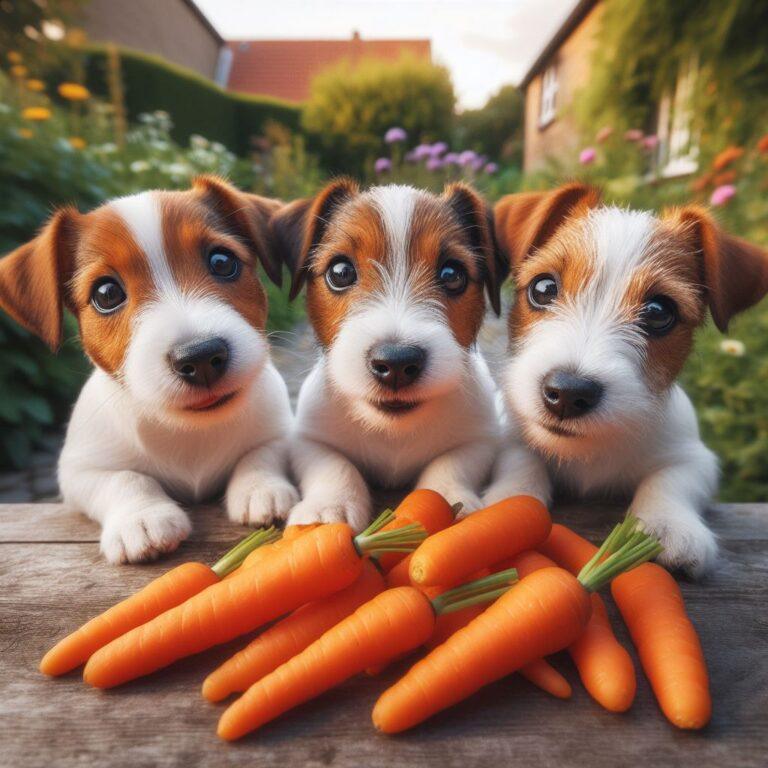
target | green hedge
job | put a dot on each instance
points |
(196, 105)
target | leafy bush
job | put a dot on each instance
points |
(350, 108)
(497, 128)
(198, 106)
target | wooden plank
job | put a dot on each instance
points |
(48, 588)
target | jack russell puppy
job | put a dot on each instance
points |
(184, 396)
(395, 281)
(607, 304)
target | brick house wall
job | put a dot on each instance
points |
(571, 59)
(174, 29)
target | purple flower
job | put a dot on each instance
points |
(722, 194)
(467, 157)
(434, 164)
(587, 156)
(383, 165)
(491, 168)
(394, 135)
(452, 158)
(410, 156)
(479, 163)
(438, 148)
(422, 152)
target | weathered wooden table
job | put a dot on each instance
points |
(52, 579)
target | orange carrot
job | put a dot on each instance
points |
(428, 508)
(669, 648)
(161, 594)
(393, 623)
(480, 540)
(259, 556)
(290, 636)
(321, 562)
(544, 613)
(543, 675)
(605, 667)
(667, 643)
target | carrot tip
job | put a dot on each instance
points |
(211, 692)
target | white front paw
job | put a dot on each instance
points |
(688, 544)
(459, 494)
(353, 510)
(134, 537)
(268, 500)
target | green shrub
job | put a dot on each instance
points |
(350, 108)
(197, 105)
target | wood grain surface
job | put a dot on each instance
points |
(52, 579)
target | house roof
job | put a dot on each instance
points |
(203, 19)
(575, 17)
(285, 68)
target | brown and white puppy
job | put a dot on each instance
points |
(395, 281)
(607, 304)
(171, 312)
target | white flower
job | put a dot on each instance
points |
(4, 109)
(176, 169)
(733, 347)
(159, 145)
(64, 145)
(196, 141)
(106, 149)
(217, 146)
(139, 166)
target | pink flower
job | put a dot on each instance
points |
(722, 194)
(603, 134)
(651, 141)
(383, 165)
(434, 164)
(394, 135)
(452, 158)
(467, 157)
(491, 168)
(587, 156)
(422, 152)
(633, 134)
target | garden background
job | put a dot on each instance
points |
(80, 123)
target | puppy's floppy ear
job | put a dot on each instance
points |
(476, 219)
(248, 215)
(525, 221)
(299, 227)
(734, 272)
(34, 277)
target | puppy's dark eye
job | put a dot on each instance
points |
(341, 274)
(223, 264)
(542, 290)
(107, 295)
(453, 277)
(658, 315)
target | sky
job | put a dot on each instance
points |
(484, 43)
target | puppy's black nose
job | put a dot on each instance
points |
(200, 363)
(569, 395)
(396, 365)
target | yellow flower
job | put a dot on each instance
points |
(14, 57)
(733, 347)
(77, 142)
(19, 70)
(74, 92)
(35, 85)
(36, 114)
(25, 133)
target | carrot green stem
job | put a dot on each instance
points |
(374, 541)
(483, 590)
(625, 548)
(234, 558)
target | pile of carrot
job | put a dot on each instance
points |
(485, 597)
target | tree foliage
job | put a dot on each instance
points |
(641, 47)
(351, 106)
(495, 129)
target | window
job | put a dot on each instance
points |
(548, 104)
(678, 149)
